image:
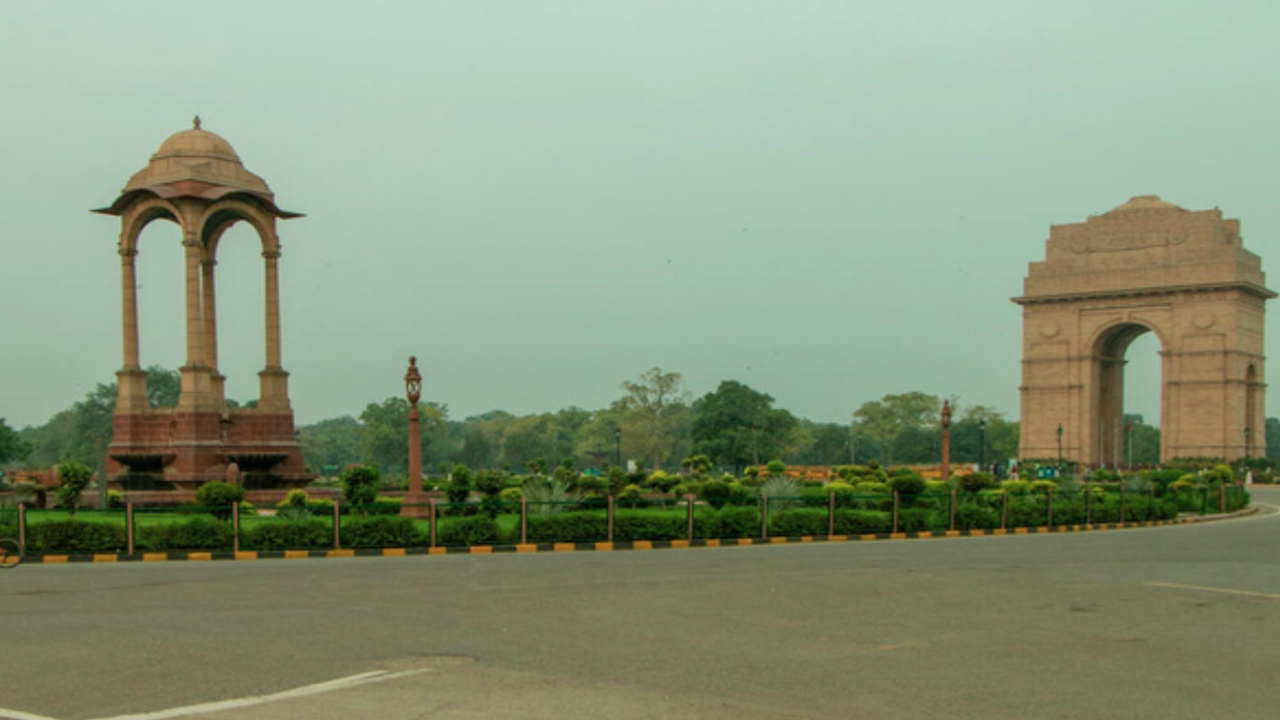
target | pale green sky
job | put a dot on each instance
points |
(829, 201)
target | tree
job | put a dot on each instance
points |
(884, 420)
(1273, 438)
(163, 387)
(330, 445)
(653, 403)
(384, 434)
(74, 478)
(12, 447)
(736, 426)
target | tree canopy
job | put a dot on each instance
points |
(737, 426)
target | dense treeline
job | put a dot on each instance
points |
(655, 422)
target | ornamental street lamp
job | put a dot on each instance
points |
(413, 393)
(982, 444)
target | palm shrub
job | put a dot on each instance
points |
(549, 496)
(782, 492)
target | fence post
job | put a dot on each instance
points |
(1088, 504)
(1004, 510)
(689, 500)
(1049, 516)
(22, 529)
(128, 525)
(831, 514)
(953, 508)
(895, 511)
(432, 524)
(609, 512)
(764, 515)
(235, 527)
(337, 526)
(524, 520)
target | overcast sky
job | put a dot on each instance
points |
(828, 201)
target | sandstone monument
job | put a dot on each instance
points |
(1146, 266)
(197, 181)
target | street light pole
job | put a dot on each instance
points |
(1059, 449)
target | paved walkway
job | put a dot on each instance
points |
(1173, 622)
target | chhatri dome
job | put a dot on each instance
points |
(196, 163)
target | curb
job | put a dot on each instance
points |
(181, 556)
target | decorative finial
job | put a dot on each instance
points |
(195, 124)
(413, 360)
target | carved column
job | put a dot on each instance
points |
(274, 393)
(209, 319)
(195, 389)
(131, 391)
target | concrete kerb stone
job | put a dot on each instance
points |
(217, 555)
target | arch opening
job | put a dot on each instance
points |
(241, 308)
(161, 292)
(1127, 405)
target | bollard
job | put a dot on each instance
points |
(128, 525)
(953, 508)
(337, 527)
(895, 511)
(609, 512)
(689, 499)
(235, 527)
(831, 514)
(524, 520)
(1004, 510)
(764, 515)
(432, 503)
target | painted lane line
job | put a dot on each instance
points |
(1227, 591)
(19, 715)
(202, 708)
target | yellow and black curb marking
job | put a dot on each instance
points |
(52, 559)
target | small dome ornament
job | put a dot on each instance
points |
(195, 123)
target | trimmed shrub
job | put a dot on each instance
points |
(1016, 487)
(970, 516)
(471, 530)
(734, 522)
(385, 531)
(568, 527)
(631, 496)
(360, 484)
(798, 522)
(115, 499)
(200, 532)
(287, 535)
(906, 484)
(74, 535)
(858, 522)
(632, 525)
(843, 492)
(219, 496)
(1043, 487)
(75, 477)
(975, 481)
(296, 497)
(715, 493)
(511, 495)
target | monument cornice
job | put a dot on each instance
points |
(1247, 287)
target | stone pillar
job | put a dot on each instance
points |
(209, 319)
(273, 394)
(195, 390)
(131, 393)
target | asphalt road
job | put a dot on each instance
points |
(1178, 622)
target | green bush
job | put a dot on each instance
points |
(1016, 487)
(733, 522)
(843, 492)
(859, 522)
(662, 483)
(200, 532)
(296, 497)
(907, 484)
(715, 493)
(511, 495)
(385, 531)
(631, 496)
(577, 526)
(976, 481)
(971, 516)
(470, 530)
(75, 536)
(75, 477)
(1043, 487)
(641, 525)
(360, 484)
(287, 535)
(801, 521)
(218, 497)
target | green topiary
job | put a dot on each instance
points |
(219, 496)
(776, 467)
(75, 477)
(1044, 487)
(906, 484)
(385, 531)
(715, 493)
(662, 482)
(360, 484)
(296, 497)
(631, 496)
(472, 530)
(1016, 487)
(976, 481)
(511, 495)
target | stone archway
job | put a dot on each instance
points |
(1146, 266)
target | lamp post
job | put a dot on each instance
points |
(946, 440)
(1059, 449)
(413, 392)
(617, 437)
(982, 444)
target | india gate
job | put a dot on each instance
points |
(197, 181)
(1146, 266)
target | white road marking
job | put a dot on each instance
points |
(202, 708)
(1228, 591)
(19, 715)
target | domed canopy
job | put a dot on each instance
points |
(1145, 203)
(196, 163)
